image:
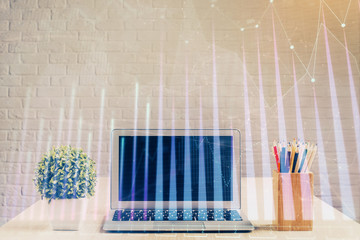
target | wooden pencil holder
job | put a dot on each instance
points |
(293, 199)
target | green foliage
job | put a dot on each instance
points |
(65, 173)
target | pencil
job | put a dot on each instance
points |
(303, 157)
(292, 155)
(296, 156)
(283, 158)
(298, 162)
(307, 159)
(276, 155)
(287, 159)
(295, 160)
(311, 159)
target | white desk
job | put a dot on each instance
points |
(329, 223)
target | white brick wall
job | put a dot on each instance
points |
(66, 61)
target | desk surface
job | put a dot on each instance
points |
(257, 203)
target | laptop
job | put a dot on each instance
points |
(176, 180)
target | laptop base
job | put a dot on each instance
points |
(175, 226)
(178, 226)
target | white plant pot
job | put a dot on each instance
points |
(66, 214)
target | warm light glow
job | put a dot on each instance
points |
(300, 129)
(342, 161)
(159, 168)
(279, 96)
(217, 167)
(250, 168)
(266, 164)
(354, 102)
(193, 65)
(322, 163)
(172, 197)
(187, 152)
(134, 152)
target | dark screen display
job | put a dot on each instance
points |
(175, 168)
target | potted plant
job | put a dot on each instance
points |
(65, 177)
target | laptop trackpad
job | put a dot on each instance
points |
(162, 225)
(179, 225)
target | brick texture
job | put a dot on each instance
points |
(69, 71)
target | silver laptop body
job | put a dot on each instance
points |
(175, 180)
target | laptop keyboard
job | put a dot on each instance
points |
(177, 215)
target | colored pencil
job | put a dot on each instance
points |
(311, 159)
(307, 159)
(276, 155)
(298, 162)
(294, 157)
(282, 158)
(303, 157)
(295, 160)
(287, 159)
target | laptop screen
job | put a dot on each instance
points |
(175, 168)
